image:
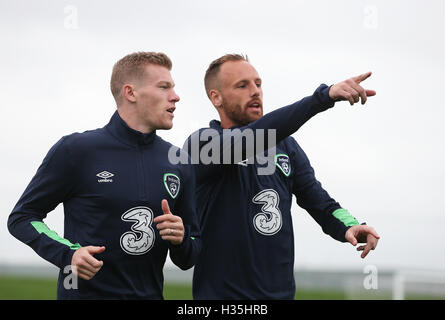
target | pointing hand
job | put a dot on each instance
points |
(351, 90)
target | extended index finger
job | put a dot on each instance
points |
(362, 77)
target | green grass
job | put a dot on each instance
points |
(177, 291)
(319, 295)
(28, 288)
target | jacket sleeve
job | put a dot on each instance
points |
(51, 185)
(185, 254)
(333, 219)
(285, 121)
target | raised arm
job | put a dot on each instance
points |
(239, 144)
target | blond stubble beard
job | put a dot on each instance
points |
(237, 115)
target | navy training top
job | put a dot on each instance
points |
(111, 182)
(245, 218)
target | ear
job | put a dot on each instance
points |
(216, 98)
(128, 93)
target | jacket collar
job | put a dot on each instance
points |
(121, 131)
(216, 124)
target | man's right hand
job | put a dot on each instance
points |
(84, 264)
(351, 90)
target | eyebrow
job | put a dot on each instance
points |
(168, 83)
(245, 80)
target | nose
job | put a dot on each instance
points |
(174, 98)
(255, 91)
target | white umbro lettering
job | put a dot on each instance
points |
(105, 176)
(243, 163)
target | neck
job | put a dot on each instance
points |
(226, 122)
(132, 119)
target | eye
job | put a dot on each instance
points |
(164, 85)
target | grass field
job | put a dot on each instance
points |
(24, 288)
(28, 288)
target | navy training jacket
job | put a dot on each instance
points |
(245, 218)
(111, 182)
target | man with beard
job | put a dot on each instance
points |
(245, 216)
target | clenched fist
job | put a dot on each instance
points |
(84, 264)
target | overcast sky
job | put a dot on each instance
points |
(383, 161)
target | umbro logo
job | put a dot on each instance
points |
(105, 176)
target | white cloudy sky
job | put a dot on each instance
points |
(383, 161)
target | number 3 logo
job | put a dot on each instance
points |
(142, 237)
(269, 220)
